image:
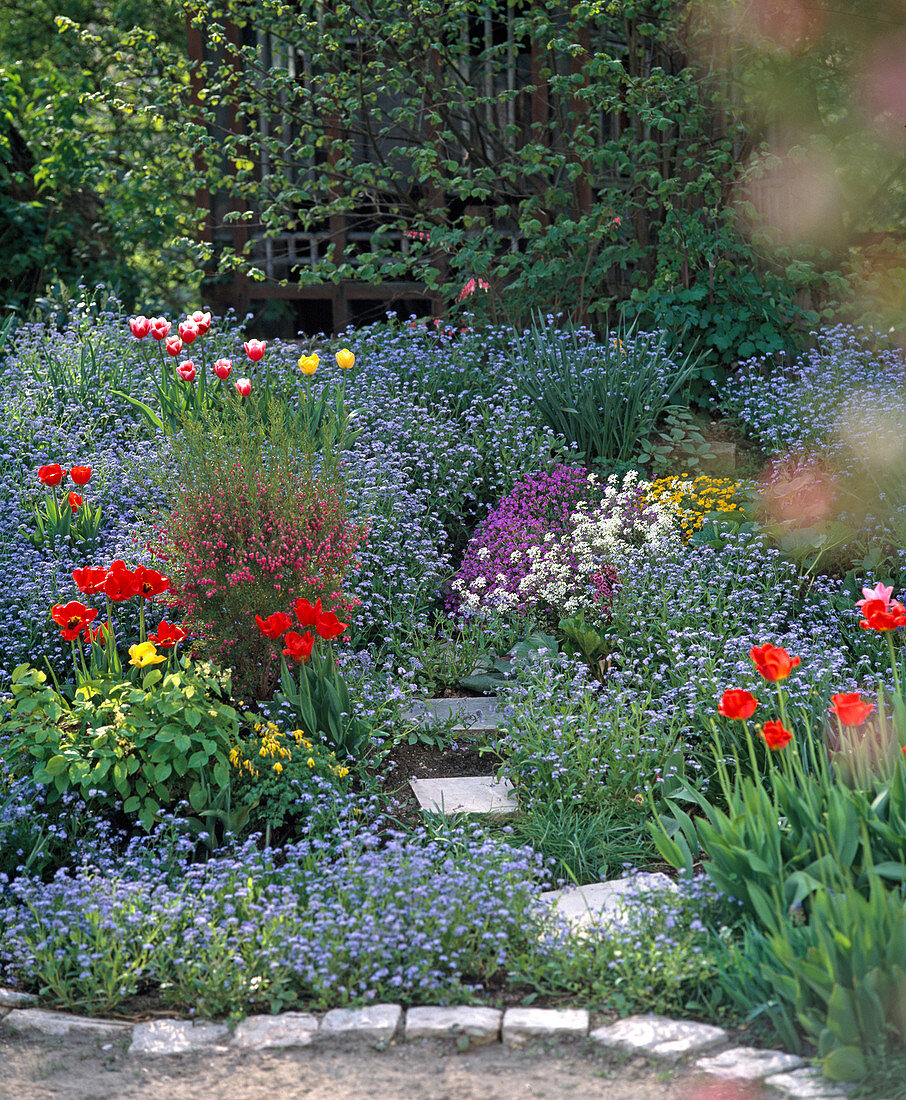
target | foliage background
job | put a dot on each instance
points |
(94, 181)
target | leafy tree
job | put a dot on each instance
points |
(569, 158)
(92, 183)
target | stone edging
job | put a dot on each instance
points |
(655, 1037)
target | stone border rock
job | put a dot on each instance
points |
(655, 1037)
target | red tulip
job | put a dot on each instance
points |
(274, 626)
(773, 662)
(299, 648)
(120, 583)
(202, 321)
(186, 371)
(72, 618)
(243, 387)
(737, 704)
(305, 613)
(850, 708)
(89, 580)
(140, 327)
(174, 345)
(160, 328)
(52, 474)
(329, 626)
(98, 634)
(75, 501)
(188, 331)
(222, 368)
(254, 349)
(149, 582)
(326, 624)
(879, 615)
(81, 475)
(776, 735)
(167, 635)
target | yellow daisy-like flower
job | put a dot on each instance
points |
(345, 359)
(308, 364)
(144, 654)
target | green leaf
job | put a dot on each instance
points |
(846, 1063)
(56, 765)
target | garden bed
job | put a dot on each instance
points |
(256, 582)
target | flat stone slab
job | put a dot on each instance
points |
(374, 1024)
(12, 998)
(60, 1023)
(470, 714)
(807, 1083)
(468, 795)
(524, 1025)
(748, 1063)
(289, 1029)
(659, 1036)
(604, 902)
(178, 1036)
(479, 1025)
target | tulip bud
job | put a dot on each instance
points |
(160, 328)
(188, 331)
(345, 359)
(222, 368)
(243, 387)
(186, 371)
(174, 345)
(81, 475)
(308, 364)
(75, 502)
(202, 321)
(254, 349)
(140, 327)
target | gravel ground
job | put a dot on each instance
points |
(82, 1069)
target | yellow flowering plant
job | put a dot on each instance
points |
(279, 775)
(695, 500)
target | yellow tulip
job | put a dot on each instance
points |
(144, 654)
(345, 359)
(308, 364)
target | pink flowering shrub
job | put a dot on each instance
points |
(251, 529)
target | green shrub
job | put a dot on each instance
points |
(138, 748)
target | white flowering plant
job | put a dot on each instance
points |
(576, 571)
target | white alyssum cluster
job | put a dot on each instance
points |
(606, 534)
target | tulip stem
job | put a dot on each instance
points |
(893, 662)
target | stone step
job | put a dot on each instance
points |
(464, 795)
(602, 902)
(470, 714)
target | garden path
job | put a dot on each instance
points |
(94, 1069)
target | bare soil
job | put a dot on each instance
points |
(406, 762)
(96, 1069)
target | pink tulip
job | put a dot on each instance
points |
(223, 367)
(140, 327)
(254, 349)
(160, 328)
(174, 345)
(202, 320)
(243, 387)
(186, 371)
(880, 592)
(188, 331)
